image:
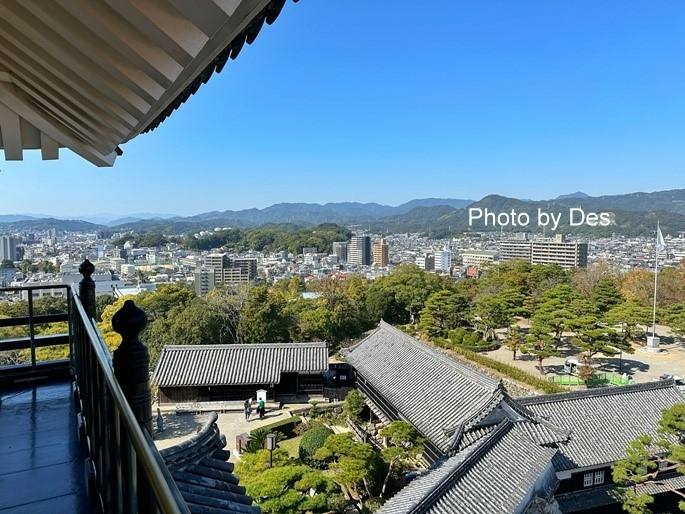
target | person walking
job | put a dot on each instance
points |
(260, 408)
(248, 409)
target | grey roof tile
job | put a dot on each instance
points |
(603, 421)
(429, 389)
(495, 475)
(237, 364)
(203, 476)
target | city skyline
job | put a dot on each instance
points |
(396, 104)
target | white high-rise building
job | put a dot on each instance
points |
(443, 260)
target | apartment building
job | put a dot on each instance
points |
(567, 254)
(380, 254)
(359, 250)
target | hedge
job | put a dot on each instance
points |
(311, 441)
(285, 426)
(511, 371)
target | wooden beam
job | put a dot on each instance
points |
(10, 126)
(69, 56)
(68, 33)
(25, 108)
(49, 148)
(30, 55)
(118, 33)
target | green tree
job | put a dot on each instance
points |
(443, 311)
(160, 302)
(355, 467)
(540, 344)
(354, 405)
(606, 295)
(6, 264)
(514, 340)
(492, 312)
(263, 317)
(593, 338)
(647, 459)
(408, 286)
(674, 317)
(404, 443)
(629, 314)
(291, 489)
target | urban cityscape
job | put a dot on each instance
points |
(484, 313)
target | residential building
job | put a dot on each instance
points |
(8, 248)
(443, 260)
(231, 270)
(518, 249)
(205, 280)
(380, 254)
(479, 257)
(359, 251)
(567, 254)
(248, 267)
(340, 249)
(426, 262)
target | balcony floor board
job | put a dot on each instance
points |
(41, 458)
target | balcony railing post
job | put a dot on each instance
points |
(131, 362)
(86, 288)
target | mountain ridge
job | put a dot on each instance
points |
(633, 212)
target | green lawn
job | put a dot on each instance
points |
(291, 446)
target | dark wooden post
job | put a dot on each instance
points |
(131, 362)
(86, 288)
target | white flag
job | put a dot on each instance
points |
(660, 244)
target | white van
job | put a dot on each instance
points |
(571, 366)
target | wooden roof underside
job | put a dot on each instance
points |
(90, 75)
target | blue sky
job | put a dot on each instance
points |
(388, 101)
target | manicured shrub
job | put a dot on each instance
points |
(285, 426)
(311, 441)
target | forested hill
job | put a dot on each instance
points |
(633, 214)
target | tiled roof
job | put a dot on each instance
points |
(498, 475)
(435, 393)
(603, 422)
(237, 364)
(203, 476)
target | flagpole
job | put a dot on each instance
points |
(656, 269)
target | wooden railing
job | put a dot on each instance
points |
(127, 473)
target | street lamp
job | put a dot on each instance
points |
(271, 446)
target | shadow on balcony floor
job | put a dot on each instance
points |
(41, 459)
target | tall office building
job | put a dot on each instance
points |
(340, 249)
(8, 248)
(359, 250)
(380, 254)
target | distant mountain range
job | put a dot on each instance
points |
(634, 214)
